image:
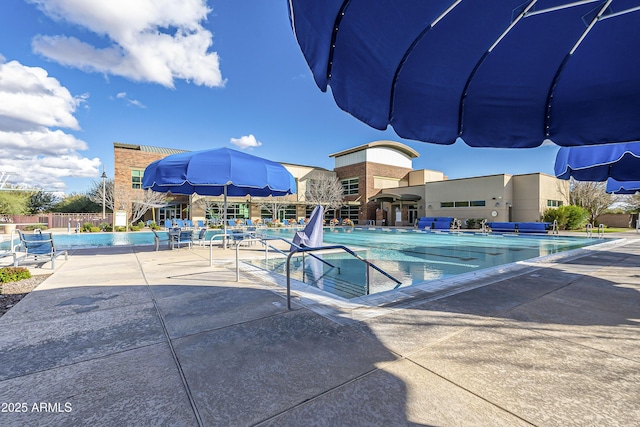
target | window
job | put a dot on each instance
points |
(136, 178)
(284, 212)
(554, 203)
(350, 186)
(463, 204)
(350, 212)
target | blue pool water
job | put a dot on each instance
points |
(415, 257)
(409, 256)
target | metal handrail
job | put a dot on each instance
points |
(589, 229)
(264, 239)
(344, 248)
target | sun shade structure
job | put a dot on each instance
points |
(599, 162)
(622, 187)
(495, 73)
(216, 172)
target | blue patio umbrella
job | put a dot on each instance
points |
(622, 187)
(216, 172)
(495, 73)
(599, 162)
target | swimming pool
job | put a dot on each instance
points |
(413, 257)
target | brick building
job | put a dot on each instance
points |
(380, 186)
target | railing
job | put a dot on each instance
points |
(589, 230)
(345, 249)
(289, 242)
(251, 237)
(554, 227)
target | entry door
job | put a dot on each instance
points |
(413, 214)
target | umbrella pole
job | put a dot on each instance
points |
(224, 216)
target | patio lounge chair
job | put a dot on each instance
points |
(503, 227)
(37, 247)
(157, 238)
(168, 224)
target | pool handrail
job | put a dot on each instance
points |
(344, 248)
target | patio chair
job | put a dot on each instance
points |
(37, 247)
(183, 237)
(178, 223)
(168, 224)
(200, 223)
(201, 236)
(188, 223)
(157, 238)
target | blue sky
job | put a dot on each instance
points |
(77, 75)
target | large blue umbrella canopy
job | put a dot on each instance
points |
(217, 172)
(496, 73)
(599, 162)
(622, 187)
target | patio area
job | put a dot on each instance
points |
(130, 336)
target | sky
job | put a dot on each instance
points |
(77, 76)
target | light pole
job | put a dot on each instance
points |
(104, 193)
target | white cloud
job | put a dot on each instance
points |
(33, 108)
(150, 40)
(134, 102)
(246, 142)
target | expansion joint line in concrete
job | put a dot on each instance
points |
(183, 378)
(455, 384)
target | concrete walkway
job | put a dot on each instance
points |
(128, 336)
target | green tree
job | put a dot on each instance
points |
(13, 202)
(77, 203)
(42, 201)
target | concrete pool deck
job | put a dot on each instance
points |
(129, 336)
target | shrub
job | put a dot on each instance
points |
(13, 274)
(87, 226)
(34, 227)
(577, 217)
(120, 228)
(95, 229)
(135, 228)
(555, 214)
(569, 217)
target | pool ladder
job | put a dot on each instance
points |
(589, 230)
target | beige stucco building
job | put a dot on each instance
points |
(380, 187)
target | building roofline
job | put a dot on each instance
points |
(405, 149)
(148, 148)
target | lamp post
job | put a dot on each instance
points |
(104, 193)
